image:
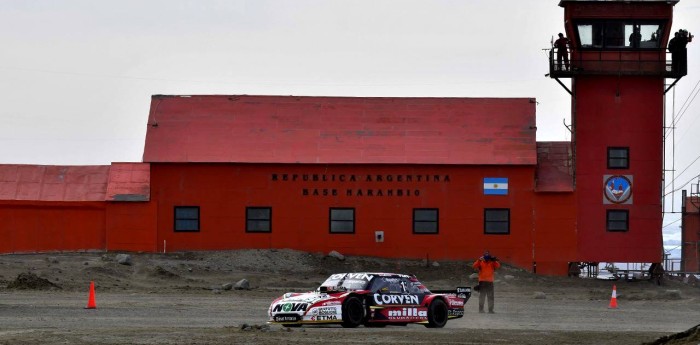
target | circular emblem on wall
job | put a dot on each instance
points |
(618, 189)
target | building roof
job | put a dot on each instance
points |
(53, 182)
(129, 182)
(692, 203)
(74, 183)
(554, 167)
(353, 130)
(672, 2)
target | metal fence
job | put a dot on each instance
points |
(615, 63)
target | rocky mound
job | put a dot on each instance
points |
(691, 336)
(30, 281)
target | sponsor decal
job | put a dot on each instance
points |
(407, 313)
(495, 186)
(324, 311)
(331, 303)
(455, 312)
(463, 290)
(617, 189)
(358, 276)
(289, 307)
(286, 318)
(380, 299)
(324, 317)
(456, 303)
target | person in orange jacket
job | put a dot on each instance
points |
(486, 266)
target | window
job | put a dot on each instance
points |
(258, 219)
(618, 157)
(342, 221)
(618, 220)
(619, 34)
(425, 220)
(497, 221)
(591, 36)
(186, 218)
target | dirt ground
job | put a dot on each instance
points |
(181, 298)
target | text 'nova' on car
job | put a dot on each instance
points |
(370, 299)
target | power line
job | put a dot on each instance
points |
(684, 170)
(687, 129)
(677, 117)
(681, 187)
(675, 221)
(686, 108)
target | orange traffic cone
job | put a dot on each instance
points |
(91, 299)
(613, 299)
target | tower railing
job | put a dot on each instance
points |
(603, 62)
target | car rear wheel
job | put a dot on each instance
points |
(437, 314)
(353, 312)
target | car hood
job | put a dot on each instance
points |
(299, 303)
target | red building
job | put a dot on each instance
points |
(437, 178)
(75, 208)
(395, 177)
(690, 231)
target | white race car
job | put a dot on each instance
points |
(371, 299)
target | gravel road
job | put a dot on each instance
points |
(158, 310)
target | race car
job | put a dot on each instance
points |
(370, 299)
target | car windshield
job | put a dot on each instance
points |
(415, 286)
(398, 284)
(347, 281)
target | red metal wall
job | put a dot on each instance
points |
(554, 232)
(131, 226)
(35, 226)
(690, 254)
(222, 191)
(615, 111)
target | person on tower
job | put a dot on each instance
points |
(562, 52)
(635, 37)
(679, 54)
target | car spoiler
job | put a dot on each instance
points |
(463, 292)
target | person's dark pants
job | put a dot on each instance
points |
(565, 56)
(683, 63)
(485, 290)
(675, 62)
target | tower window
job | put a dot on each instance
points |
(619, 34)
(342, 220)
(425, 220)
(617, 220)
(258, 219)
(618, 157)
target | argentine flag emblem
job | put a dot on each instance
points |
(495, 186)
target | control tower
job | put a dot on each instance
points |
(615, 53)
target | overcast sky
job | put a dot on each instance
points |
(76, 77)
